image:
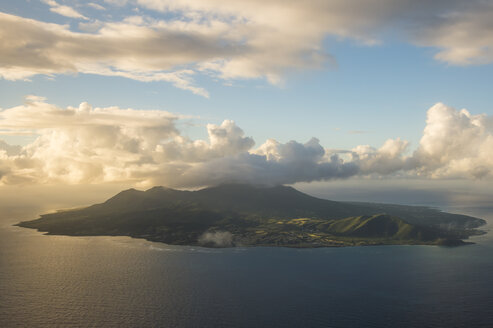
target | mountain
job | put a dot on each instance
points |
(238, 214)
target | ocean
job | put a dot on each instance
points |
(60, 281)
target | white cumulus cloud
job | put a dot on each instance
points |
(87, 144)
(456, 143)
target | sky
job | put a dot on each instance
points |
(194, 93)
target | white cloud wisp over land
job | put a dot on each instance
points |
(175, 41)
(85, 144)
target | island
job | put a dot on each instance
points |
(231, 215)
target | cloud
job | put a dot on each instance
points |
(63, 10)
(91, 145)
(463, 34)
(79, 144)
(461, 31)
(388, 159)
(9, 150)
(117, 2)
(95, 6)
(456, 143)
(216, 239)
(122, 49)
(87, 144)
(231, 40)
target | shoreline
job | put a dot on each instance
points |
(305, 245)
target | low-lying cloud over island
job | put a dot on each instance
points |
(87, 144)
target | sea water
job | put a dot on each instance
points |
(66, 281)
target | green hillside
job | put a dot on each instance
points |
(378, 226)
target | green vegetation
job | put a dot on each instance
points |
(230, 215)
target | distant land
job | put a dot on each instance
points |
(245, 215)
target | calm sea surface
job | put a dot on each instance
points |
(122, 282)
